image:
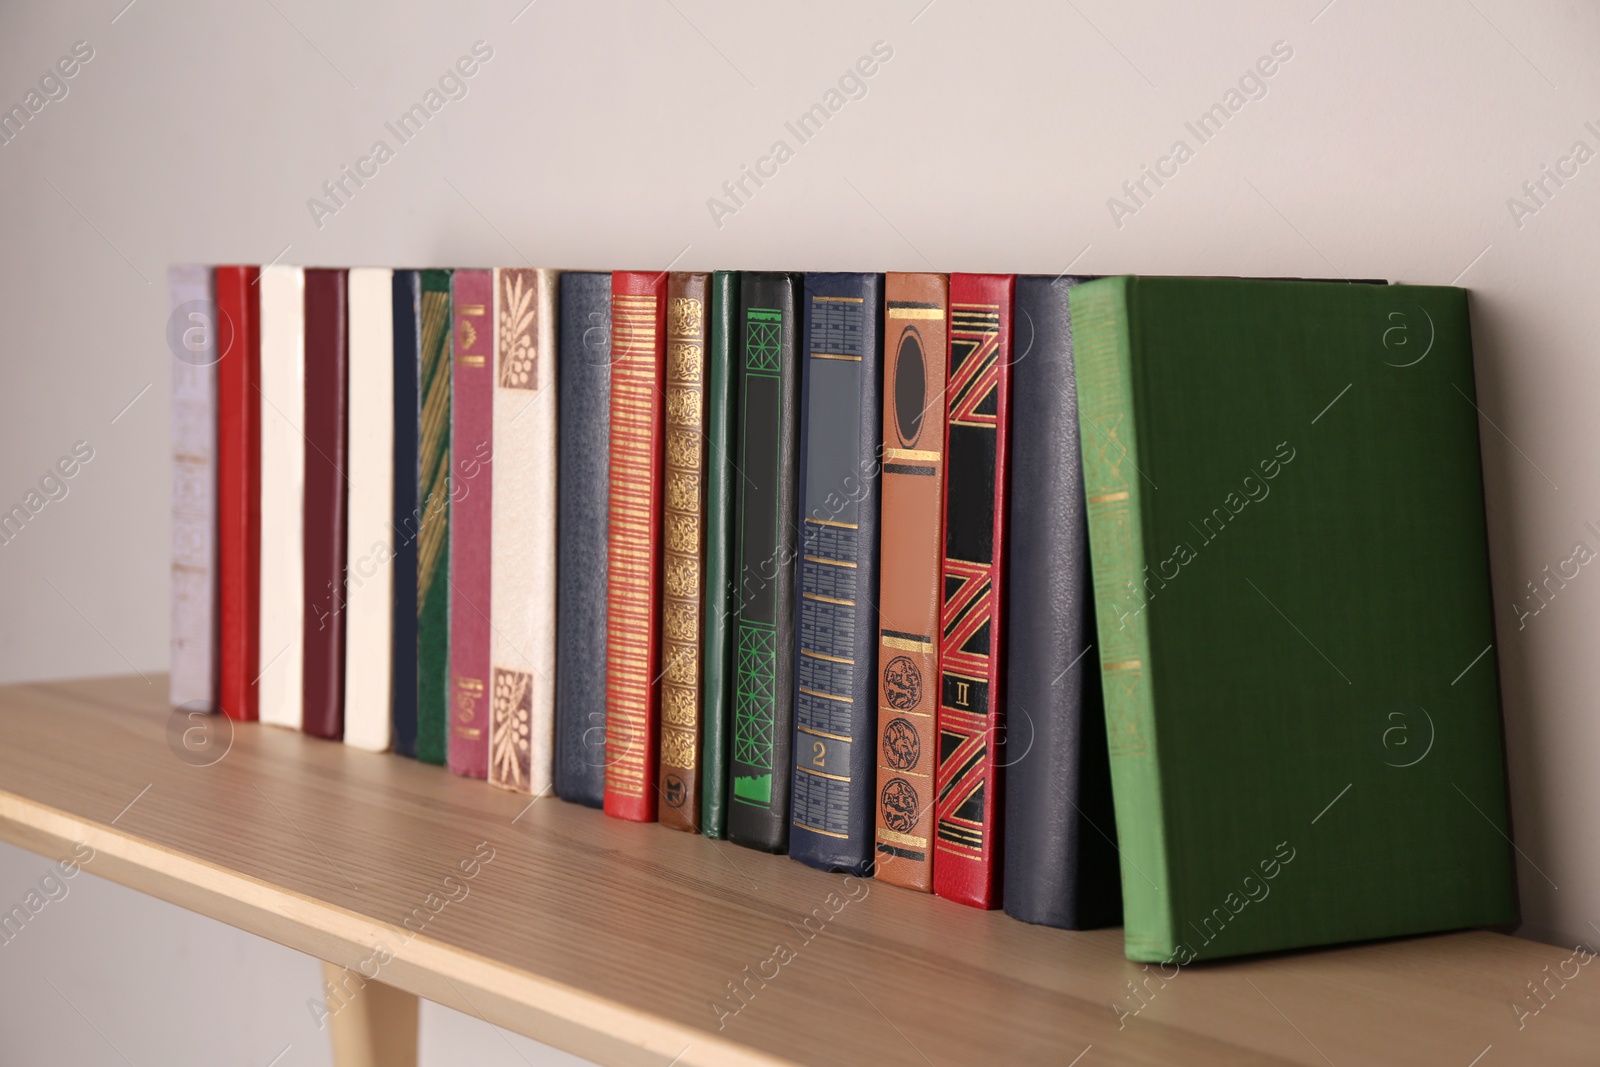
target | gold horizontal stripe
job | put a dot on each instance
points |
(831, 562)
(1106, 498)
(830, 522)
(819, 830)
(982, 425)
(821, 733)
(895, 838)
(830, 659)
(896, 770)
(826, 696)
(835, 355)
(964, 677)
(829, 599)
(897, 711)
(836, 300)
(1123, 665)
(991, 307)
(910, 453)
(907, 646)
(820, 774)
(916, 313)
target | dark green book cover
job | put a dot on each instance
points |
(433, 548)
(721, 420)
(1296, 635)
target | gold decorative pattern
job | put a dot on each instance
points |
(683, 450)
(510, 729)
(519, 355)
(683, 490)
(683, 533)
(434, 446)
(685, 320)
(678, 749)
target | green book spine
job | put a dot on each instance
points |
(718, 659)
(433, 549)
(1103, 352)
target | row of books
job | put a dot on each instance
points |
(1138, 598)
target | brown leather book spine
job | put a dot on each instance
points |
(326, 499)
(915, 342)
(683, 561)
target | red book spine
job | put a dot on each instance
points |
(972, 631)
(239, 486)
(326, 501)
(471, 518)
(633, 557)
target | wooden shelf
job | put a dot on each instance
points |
(616, 941)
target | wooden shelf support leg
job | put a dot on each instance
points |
(378, 1028)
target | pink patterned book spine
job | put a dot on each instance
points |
(471, 529)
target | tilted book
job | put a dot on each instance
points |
(1060, 850)
(406, 523)
(762, 738)
(682, 591)
(471, 510)
(967, 783)
(283, 474)
(191, 335)
(326, 500)
(369, 539)
(634, 534)
(239, 487)
(914, 357)
(522, 550)
(433, 542)
(835, 684)
(722, 420)
(1291, 582)
(584, 428)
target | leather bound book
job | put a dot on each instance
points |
(909, 600)
(283, 474)
(522, 550)
(1060, 858)
(682, 591)
(239, 487)
(433, 544)
(191, 335)
(716, 676)
(633, 555)
(405, 525)
(326, 455)
(583, 500)
(369, 552)
(763, 704)
(968, 785)
(835, 702)
(471, 517)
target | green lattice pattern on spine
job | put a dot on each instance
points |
(762, 339)
(755, 696)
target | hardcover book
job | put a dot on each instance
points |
(369, 550)
(1291, 583)
(471, 485)
(682, 590)
(835, 695)
(583, 500)
(326, 501)
(191, 335)
(1060, 836)
(433, 543)
(283, 473)
(406, 524)
(967, 783)
(914, 357)
(522, 557)
(722, 415)
(238, 341)
(763, 707)
(633, 555)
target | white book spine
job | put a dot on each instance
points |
(192, 681)
(369, 586)
(283, 463)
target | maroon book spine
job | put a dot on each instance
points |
(239, 486)
(327, 393)
(471, 518)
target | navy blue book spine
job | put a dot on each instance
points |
(836, 627)
(407, 291)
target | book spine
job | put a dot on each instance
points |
(582, 531)
(239, 487)
(191, 334)
(369, 552)
(326, 501)
(835, 697)
(683, 563)
(283, 471)
(433, 544)
(633, 555)
(968, 784)
(522, 591)
(1110, 440)
(471, 517)
(405, 525)
(763, 707)
(722, 415)
(908, 604)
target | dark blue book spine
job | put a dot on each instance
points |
(407, 514)
(835, 696)
(583, 502)
(1061, 862)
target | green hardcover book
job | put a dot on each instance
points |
(1296, 635)
(433, 543)
(721, 419)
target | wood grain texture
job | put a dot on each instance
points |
(378, 1029)
(618, 941)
